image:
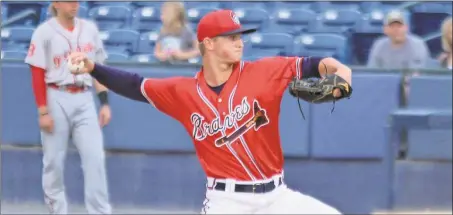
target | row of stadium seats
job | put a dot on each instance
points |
(268, 5)
(283, 17)
(125, 45)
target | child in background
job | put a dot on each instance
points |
(176, 41)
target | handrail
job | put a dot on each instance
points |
(19, 16)
(408, 5)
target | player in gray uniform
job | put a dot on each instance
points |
(70, 111)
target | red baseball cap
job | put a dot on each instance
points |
(220, 23)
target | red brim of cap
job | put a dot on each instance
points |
(239, 31)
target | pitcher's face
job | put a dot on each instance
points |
(229, 48)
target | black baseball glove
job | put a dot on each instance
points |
(320, 90)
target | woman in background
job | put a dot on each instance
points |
(176, 41)
(446, 57)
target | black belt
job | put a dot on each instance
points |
(250, 188)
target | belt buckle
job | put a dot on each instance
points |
(254, 187)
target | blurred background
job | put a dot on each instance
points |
(388, 148)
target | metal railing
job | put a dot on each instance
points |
(19, 16)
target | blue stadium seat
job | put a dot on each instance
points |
(361, 46)
(4, 12)
(146, 18)
(19, 37)
(195, 60)
(428, 19)
(433, 7)
(328, 5)
(371, 22)
(336, 21)
(144, 58)
(212, 4)
(434, 43)
(369, 6)
(292, 21)
(321, 44)
(252, 17)
(390, 5)
(276, 43)
(13, 55)
(37, 9)
(111, 17)
(430, 92)
(155, 4)
(117, 57)
(93, 4)
(120, 40)
(147, 41)
(237, 4)
(194, 14)
(293, 5)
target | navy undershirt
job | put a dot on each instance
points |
(217, 89)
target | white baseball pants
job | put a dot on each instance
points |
(282, 200)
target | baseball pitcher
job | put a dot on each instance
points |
(231, 109)
(66, 106)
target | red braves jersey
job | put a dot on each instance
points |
(236, 132)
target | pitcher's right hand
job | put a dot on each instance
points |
(80, 57)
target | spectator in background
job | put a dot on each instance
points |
(446, 57)
(176, 41)
(398, 49)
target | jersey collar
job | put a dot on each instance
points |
(229, 84)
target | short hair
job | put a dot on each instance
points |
(201, 48)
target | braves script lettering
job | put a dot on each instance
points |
(202, 129)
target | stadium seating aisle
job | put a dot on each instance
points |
(359, 22)
(429, 17)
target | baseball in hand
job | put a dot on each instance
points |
(75, 67)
